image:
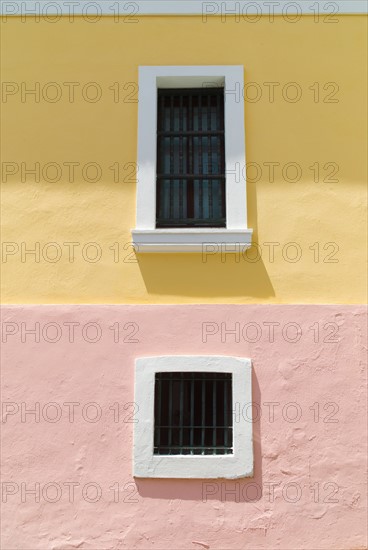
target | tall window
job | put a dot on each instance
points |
(191, 187)
(190, 158)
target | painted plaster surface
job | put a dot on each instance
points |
(310, 429)
(305, 146)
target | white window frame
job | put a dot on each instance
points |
(237, 465)
(146, 237)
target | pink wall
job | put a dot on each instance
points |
(309, 467)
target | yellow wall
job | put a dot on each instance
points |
(105, 132)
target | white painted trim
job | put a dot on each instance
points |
(208, 241)
(150, 79)
(181, 7)
(237, 465)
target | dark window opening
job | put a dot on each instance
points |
(193, 413)
(190, 158)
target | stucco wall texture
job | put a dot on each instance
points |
(69, 173)
(309, 429)
(70, 99)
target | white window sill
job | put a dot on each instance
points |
(191, 240)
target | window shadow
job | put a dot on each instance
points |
(205, 275)
(188, 275)
(230, 490)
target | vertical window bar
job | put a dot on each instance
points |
(172, 183)
(203, 413)
(222, 153)
(181, 406)
(181, 169)
(190, 194)
(165, 206)
(200, 154)
(229, 394)
(160, 200)
(214, 410)
(191, 442)
(169, 440)
(211, 183)
(220, 166)
(226, 428)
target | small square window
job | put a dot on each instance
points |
(193, 413)
(187, 427)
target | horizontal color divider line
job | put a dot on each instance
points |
(183, 7)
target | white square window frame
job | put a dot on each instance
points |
(148, 465)
(146, 237)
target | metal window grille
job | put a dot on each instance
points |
(193, 413)
(190, 158)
